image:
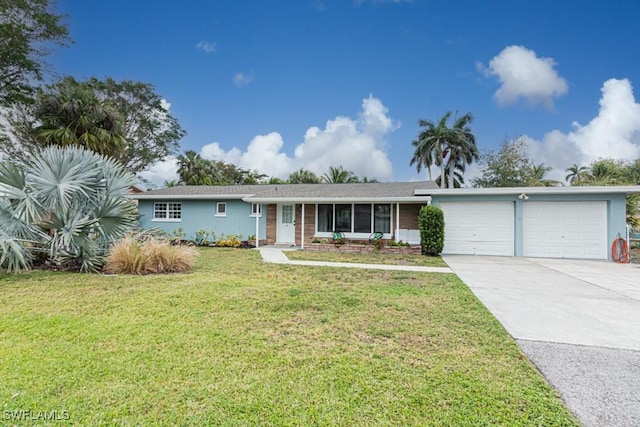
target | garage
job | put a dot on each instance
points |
(478, 228)
(565, 229)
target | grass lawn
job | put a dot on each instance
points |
(366, 258)
(241, 342)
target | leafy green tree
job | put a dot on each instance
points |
(339, 175)
(303, 176)
(509, 167)
(366, 180)
(126, 120)
(28, 31)
(577, 174)
(76, 194)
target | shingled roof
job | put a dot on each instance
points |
(290, 192)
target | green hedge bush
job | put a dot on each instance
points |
(431, 222)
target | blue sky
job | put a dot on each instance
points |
(281, 85)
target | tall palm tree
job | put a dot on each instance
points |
(449, 148)
(430, 144)
(74, 116)
(339, 175)
(577, 174)
(461, 149)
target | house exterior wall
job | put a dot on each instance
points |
(201, 214)
(616, 219)
(409, 216)
(271, 228)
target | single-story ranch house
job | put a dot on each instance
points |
(556, 222)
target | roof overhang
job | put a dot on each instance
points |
(627, 189)
(404, 199)
(189, 196)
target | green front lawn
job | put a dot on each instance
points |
(241, 342)
(366, 258)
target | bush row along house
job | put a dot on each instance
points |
(556, 222)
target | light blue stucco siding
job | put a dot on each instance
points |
(616, 210)
(201, 215)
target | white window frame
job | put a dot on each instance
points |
(168, 211)
(350, 234)
(253, 213)
(220, 212)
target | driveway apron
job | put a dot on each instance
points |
(577, 321)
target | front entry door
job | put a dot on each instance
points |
(286, 224)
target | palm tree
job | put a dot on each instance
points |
(339, 175)
(75, 193)
(430, 144)
(76, 117)
(577, 174)
(537, 177)
(461, 148)
(449, 148)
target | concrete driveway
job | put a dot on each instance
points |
(578, 322)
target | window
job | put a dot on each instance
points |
(221, 209)
(362, 218)
(343, 218)
(325, 218)
(163, 211)
(382, 218)
(256, 209)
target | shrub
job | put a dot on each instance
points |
(230, 241)
(149, 256)
(201, 237)
(431, 222)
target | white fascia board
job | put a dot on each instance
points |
(188, 196)
(626, 189)
(405, 199)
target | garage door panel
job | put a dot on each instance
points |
(565, 229)
(484, 228)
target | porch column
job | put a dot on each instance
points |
(302, 233)
(397, 221)
(258, 226)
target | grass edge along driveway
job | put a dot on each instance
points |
(242, 342)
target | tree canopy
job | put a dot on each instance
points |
(28, 31)
(125, 120)
(509, 167)
(193, 169)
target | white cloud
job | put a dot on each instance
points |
(613, 133)
(165, 104)
(523, 74)
(358, 145)
(242, 79)
(158, 173)
(206, 46)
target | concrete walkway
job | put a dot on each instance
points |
(577, 321)
(277, 256)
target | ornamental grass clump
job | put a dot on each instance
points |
(149, 256)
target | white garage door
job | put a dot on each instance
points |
(478, 228)
(565, 229)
